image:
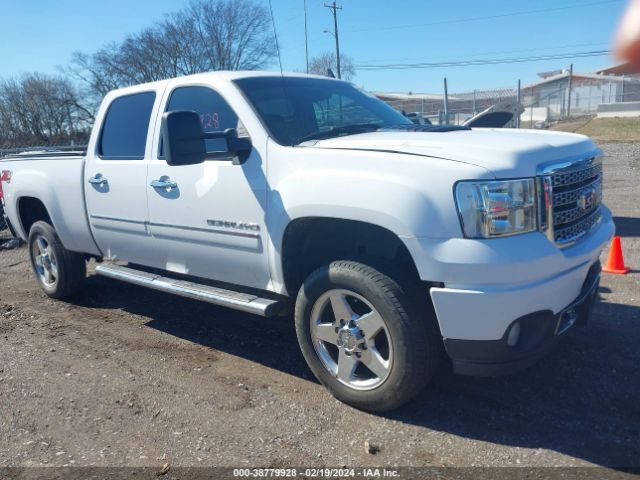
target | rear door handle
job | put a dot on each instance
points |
(98, 180)
(164, 184)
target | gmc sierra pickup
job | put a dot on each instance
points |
(391, 242)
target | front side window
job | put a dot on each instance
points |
(215, 113)
(124, 132)
(299, 109)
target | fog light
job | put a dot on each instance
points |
(567, 320)
(514, 334)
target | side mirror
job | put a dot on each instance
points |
(184, 141)
(182, 138)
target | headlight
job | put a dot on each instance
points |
(496, 208)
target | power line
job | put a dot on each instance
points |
(275, 35)
(485, 17)
(499, 52)
(492, 61)
(306, 37)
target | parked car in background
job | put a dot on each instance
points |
(418, 118)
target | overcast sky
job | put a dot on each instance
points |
(40, 35)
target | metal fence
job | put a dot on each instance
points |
(556, 98)
(576, 96)
(460, 105)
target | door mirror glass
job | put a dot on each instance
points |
(182, 138)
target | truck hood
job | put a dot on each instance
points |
(505, 152)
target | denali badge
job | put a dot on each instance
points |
(252, 227)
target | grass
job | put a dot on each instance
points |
(618, 129)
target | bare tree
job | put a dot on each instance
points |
(204, 36)
(322, 63)
(237, 33)
(37, 109)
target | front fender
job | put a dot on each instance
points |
(396, 206)
(409, 201)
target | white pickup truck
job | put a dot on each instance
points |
(391, 242)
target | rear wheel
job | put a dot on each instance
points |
(60, 273)
(365, 337)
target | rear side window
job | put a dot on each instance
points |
(124, 132)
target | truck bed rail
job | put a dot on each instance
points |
(44, 151)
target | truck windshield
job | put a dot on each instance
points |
(299, 109)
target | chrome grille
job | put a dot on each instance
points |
(573, 232)
(576, 176)
(574, 194)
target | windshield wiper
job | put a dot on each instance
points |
(340, 130)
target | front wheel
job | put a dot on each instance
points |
(60, 273)
(364, 336)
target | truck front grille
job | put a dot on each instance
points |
(573, 195)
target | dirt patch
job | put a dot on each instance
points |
(122, 376)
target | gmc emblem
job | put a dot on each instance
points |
(588, 199)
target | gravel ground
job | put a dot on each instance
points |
(123, 376)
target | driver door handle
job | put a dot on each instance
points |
(98, 180)
(163, 184)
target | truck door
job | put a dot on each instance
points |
(115, 176)
(208, 220)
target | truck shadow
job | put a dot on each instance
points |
(581, 401)
(627, 226)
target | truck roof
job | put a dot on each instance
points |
(224, 75)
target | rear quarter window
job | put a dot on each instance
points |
(125, 127)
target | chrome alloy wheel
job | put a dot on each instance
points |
(351, 339)
(44, 261)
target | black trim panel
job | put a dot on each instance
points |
(537, 337)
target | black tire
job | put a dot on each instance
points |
(415, 338)
(71, 266)
(3, 221)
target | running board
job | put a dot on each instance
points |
(217, 296)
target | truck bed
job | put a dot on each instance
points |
(57, 180)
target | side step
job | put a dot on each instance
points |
(217, 296)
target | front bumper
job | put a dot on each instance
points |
(490, 283)
(485, 285)
(539, 332)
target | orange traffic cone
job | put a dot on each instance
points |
(615, 262)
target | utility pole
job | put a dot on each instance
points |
(569, 99)
(306, 41)
(474, 104)
(446, 103)
(334, 9)
(519, 101)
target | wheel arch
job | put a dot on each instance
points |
(31, 209)
(310, 242)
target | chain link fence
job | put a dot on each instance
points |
(555, 98)
(576, 96)
(461, 106)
